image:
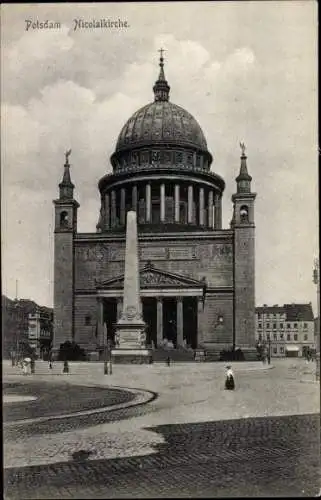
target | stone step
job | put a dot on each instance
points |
(177, 355)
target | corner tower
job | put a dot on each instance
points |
(244, 261)
(65, 229)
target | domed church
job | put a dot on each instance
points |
(196, 278)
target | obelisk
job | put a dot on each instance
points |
(130, 327)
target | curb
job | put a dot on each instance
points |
(142, 397)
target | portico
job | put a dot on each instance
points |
(172, 305)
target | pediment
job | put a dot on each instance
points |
(151, 277)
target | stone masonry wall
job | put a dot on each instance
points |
(244, 287)
(212, 259)
(63, 288)
(85, 306)
(211, 330)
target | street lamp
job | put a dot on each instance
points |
(316, 281)
(105, 350)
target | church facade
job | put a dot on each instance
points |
(196, 278)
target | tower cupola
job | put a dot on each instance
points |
(66, 187)
(161, 88)
(243, 180)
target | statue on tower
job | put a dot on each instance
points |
(243, 147)
(67, 154)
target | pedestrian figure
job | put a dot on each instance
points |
(50, 364)
(32, 365)
(26, 366)
(168, 361)
(229, 380)
(66, 367)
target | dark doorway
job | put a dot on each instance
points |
(110, 318)
(170, 319)
(150, 318)
(190, 321)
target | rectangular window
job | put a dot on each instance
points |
(295, 336)
(305, 325)
(87, 320)
(260, 325)
(275, 337)
(288, 337)
(275, 350)
(281, 336)
(305, 336)
(267, 325)
(288, 325)
(295, 325)
(274, 326)
(281, 350)
(260, 337)
(281, 326)
(259, 315)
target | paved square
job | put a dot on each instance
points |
(192, 439)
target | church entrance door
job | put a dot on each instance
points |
(110, 318)
(150, 318)
(170, 319)
(190, 321)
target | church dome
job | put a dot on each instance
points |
(161, 122)
(161, 135)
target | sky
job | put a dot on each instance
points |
(247, 71)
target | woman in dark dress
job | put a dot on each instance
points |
(229, 379)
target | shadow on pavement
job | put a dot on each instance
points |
(274, 456)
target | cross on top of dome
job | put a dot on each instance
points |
(161, 88)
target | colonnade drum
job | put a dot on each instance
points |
(159, 202)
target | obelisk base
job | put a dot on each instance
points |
(131, 348)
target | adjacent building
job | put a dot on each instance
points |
(17, 316)
(287, 330)
(196, 277)
(40, 330)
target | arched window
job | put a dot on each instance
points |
(244, 213)
(64, 219)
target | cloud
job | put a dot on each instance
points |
(77, 92)
(36, 47)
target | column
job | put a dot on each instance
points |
(148, 202)
(134, 198)
(159, 321)
(201, 206)
(210, 208)
(113, 209)
(162, 202)
(122, 206)
(119, 308)
(180, 324)
(218, 212)
(190, 205)
(200, 316)
(177, 200)
(100, 321)
(107, 211)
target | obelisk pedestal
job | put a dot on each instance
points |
(130, 328)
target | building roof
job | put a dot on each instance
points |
(293, 312)
(161, 122)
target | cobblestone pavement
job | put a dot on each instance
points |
(193, 439)
(276, 456)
